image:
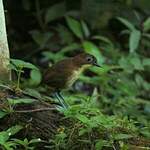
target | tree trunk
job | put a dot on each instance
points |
(4, 50)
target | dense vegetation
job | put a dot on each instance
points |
(110, 106)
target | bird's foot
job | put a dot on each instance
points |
(61, 100)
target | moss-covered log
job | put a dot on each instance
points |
(39, 119)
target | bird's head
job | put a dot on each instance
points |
(85, 59)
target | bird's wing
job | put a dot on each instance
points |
(57, 75)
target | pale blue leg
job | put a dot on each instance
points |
(61, 100)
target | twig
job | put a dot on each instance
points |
(34, 110)
(114, 147)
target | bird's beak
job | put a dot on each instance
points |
(95, 64)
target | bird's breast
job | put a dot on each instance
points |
(75, 75)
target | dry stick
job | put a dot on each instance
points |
(34, 110)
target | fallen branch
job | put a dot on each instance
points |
(34, 110)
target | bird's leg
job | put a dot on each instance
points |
(58, 98)
(61, 99)
(64, 102)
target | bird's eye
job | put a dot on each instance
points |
(89, 59)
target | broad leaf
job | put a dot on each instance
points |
(20, 101)
(85, 29)
(40, 38)
(100, 143)
(22, 64)
(134, 40)
(36, 77)
(2, 114)
(4, 136)
(75, 27)
(35, 141)
(14, 129)
(122, 136)
(82, 118)
(103, 39)
(54, 12)
(145, 131)
(82, 131)
(32, 92)
(139, 80)
(137, 63)
(128, 24)
(146, 24)
(146, 62)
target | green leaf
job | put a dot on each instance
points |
(14, 129)
(49, 55)
(66, 36)
(85, 141)
(69, 48)
(122, 136)
(26, 140)
(134, 40)
(36, 77)
(35, 141)
(128, 24)
(20, 142)
(145, 131)
(147, 107)
(32, 92)
(40, 38)
(54, 12)
(139, 80)
(7, 147)
(75, 27)
(61, 136)
(146, 85)
(146, 62)
(137, 63)
(147, 35)
(82, 118)
(83, 131)
(94, 98)
(2, 114)
(12, 67)
(91, 48)
(22, 64)
(99, 144)
(20, 101)
(146, 25)
(124, 62)
(4, 136)
(85, 29)
(103, 39)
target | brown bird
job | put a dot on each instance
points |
(65, 72)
